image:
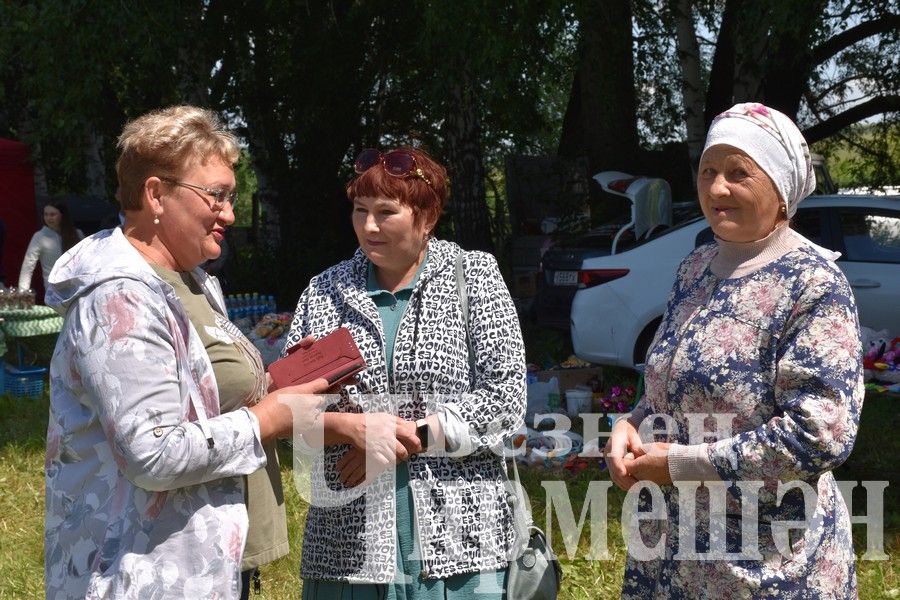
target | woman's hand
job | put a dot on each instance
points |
(651, 463)
(353, 467)
(386, 436)
(354, 470)
(624, 440)
(295, 406)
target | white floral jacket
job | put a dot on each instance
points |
(144, 494)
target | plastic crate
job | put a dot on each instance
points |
(24, 382)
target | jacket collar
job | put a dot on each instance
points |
(353, 274)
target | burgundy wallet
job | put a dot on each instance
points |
(334, 357)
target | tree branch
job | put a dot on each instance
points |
(864, 110)
(821, 94)
(845, 39)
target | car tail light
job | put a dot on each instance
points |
(591, 277)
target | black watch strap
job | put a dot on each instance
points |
(423, 432)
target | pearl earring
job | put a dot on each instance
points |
(156, 220)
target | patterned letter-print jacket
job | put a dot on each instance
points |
(463, 516)
(138, 503)
(779, 348)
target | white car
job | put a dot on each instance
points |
(619, 299)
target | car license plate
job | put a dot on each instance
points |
(567, 278)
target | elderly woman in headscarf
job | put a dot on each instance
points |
(755, 379)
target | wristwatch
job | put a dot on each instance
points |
(423, 432)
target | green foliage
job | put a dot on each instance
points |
(246, 186)
(307, 84)
(80, 69)
(864, 156)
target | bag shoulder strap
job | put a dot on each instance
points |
(521, 517)
(464, 305)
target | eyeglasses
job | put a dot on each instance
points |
(222, 197)
(396, 163)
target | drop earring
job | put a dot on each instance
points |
(156, 220)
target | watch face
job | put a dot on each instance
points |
(422, 434)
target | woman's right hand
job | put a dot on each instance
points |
(369, 456)
(388, 438)
(296, 406)
(623, 441)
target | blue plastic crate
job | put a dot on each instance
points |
(24, 382)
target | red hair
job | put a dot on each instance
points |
(426, 201)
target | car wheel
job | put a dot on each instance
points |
(642, 345)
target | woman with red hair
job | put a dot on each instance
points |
(420, 428)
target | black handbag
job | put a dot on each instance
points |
(534, 573)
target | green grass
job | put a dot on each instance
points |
(22, 505)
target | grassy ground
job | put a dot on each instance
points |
(22, 504)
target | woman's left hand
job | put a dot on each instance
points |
(650, 463)
(353, 470)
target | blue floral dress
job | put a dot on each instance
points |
(778, 348)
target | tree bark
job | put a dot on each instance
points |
(864, 110)
(465, 165)
(789, 61)
(751, 37)
(601, 115)
(847, 38)
(95, 168)
(720, 89)
(691, 81)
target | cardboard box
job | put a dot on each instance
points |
(569, 378)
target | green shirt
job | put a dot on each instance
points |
(391, 308)
(236, 378)
(234, 375)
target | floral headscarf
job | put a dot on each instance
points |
(775, 143)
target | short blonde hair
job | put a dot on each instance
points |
(166, 142)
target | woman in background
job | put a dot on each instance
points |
(46, 246)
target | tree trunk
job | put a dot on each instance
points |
(720, 89)
(26, 134)
(601, 116)
(465, 165)
(691, 81)
(95, 168)
(789, 62)
(751, 44)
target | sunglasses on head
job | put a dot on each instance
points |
(396, 163)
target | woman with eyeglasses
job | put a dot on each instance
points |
(159, 413)
(408, 497)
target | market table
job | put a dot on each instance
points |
(34, 328)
